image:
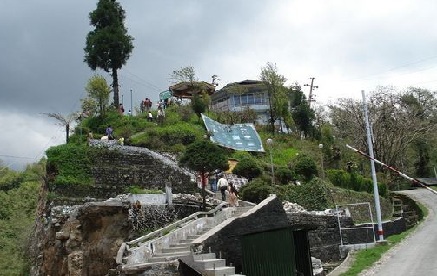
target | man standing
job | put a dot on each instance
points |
(223, 186)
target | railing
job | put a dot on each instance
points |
(166, 230)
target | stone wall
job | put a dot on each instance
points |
(324, 236)
(117, 168)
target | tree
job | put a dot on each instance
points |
(98, 91)
(398, 119)
(303, 116)
(198, 105)
(247, 167)
(108, 46)
(185, 74)
(278, 105)
(304, 166)
(203, 157)
(64, 121)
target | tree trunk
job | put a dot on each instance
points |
(115, 87)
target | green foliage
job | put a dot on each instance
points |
(302, 114)
(304, 166)
(9, 179)
(138, 190)
(354, 181)
(204, 156)
(174, 114)
(256, 191)
(247, 167)
(422, 163)
(366, 258)
(311, 195)
(108, 46)
(245, 116)
(284, 175)
(17, 213)
(198, 105)
(276, 92)
(171, 138)
(98, 91)
(70, 163)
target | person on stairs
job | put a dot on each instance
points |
(232, 195)
(223, 186)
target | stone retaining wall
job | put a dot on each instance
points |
(119, 167)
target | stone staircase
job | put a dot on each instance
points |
(177, 245)
(207, 264)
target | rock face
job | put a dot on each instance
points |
(83, 240)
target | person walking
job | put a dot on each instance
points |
(233, 195)
(223, 186)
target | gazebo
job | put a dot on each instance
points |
(189, 89)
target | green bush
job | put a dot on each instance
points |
(138, 190)
(256, 191)
(162, 138)
(248, 168)
(70, 163)
(284, 175)
(304, 166)
(354, 181)
(311, 195)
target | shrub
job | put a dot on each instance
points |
(256, 191)
(310, 195)
(70, 163)
(354, 181)
(138, 190)
(304, 166)
(284, 175)
(248, 167)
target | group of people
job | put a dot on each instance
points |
(145, 106)
(228, 191)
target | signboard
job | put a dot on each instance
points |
(239, 136)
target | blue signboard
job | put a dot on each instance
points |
(238, 136)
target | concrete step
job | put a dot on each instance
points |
(162, 257)
(210, 263)
(220, 271)
(180, 244)
(175, 249)
(204, 256)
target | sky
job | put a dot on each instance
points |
(346, 46)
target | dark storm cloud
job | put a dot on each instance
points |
(346, 45)
(41, 68)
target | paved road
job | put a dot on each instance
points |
(417, 255)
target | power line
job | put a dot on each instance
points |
(14, 156)
(146, 83)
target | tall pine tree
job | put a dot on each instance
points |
(108, 46)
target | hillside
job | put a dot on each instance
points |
(294, 161)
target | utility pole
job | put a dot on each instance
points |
(131, 110)
(312, 87)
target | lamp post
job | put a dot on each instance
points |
(131, 110)
(270, 144)
(321, 161)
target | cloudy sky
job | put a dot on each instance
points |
(347, 46)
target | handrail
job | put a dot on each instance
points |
(158, 233)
